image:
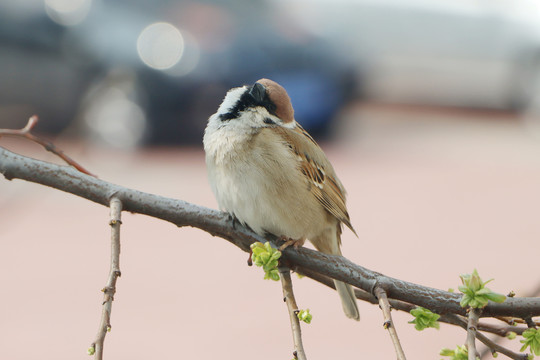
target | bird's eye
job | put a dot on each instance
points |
(269, 121)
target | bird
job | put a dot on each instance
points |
(269, 174)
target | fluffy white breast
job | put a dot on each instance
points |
(256, 179)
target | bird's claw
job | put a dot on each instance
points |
(296, 243)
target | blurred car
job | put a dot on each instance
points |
(81, 66)
(480, 54)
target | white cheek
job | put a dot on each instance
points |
(230, 100)
(249, 122)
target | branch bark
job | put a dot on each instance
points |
(493, 346)
(451, 319)
(388, 323)
(472, 324)
(181, 213)
(26, 132)
(114, 273)
(288, 297)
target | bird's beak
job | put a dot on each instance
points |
(257, 92)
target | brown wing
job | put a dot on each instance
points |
(325, 185)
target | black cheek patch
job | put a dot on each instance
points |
(228, 116)
(269, 121)
(247, 101)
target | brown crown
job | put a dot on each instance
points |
(278, 95)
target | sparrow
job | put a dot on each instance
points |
(267, 172)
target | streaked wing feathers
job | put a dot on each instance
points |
(325, 185)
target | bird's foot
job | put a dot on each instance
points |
(233, 219)
(296, 243)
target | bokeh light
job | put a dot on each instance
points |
(190, 57)
(67, 12)
(116, 120)
(160, 45)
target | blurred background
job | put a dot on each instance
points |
(429, 111)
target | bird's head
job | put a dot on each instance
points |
(263, 104)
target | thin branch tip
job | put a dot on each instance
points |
(292, 307)
(114, 273)
(26, 133)
(384, 304)
(32, 121)
(472, 325)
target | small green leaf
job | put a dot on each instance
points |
(531, 340)
(498, 298)
(511, 335)
(446, 352)
(265, 256)
(305, 316)
(475, 292)
(459, 353)
(424, 318)
(272, 275)
(91, 350)
(483, 291)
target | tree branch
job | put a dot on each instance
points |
(493, 346)
(181, 213)
(407, 307)
(288, 297)
(451, 319)
(514, 321)
(26, 132)
(388, 323)
(472, 324)
(496, 348)
(110, 289)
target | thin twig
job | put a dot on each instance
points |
(501, 331)
(513, 321)
(493, 346)
(26, 132)
(472, 326)
(288, 297)
(110, 289)
(380, 293)
(496, 348)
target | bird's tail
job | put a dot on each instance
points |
(330, 244)
(348, 300)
